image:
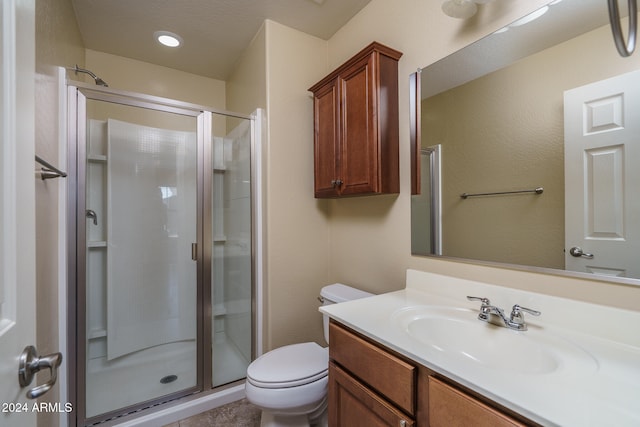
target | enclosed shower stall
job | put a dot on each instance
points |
(162, 235)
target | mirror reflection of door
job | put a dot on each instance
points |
(426, 238)
(602, 151)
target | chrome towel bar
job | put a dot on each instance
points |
(538, 190)
(49, 171)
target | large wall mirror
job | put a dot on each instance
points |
(527, 148)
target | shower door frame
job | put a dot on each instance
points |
(78, 94)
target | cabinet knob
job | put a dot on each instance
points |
(336, 182)
(403, 423)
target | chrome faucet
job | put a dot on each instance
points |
(515, 321)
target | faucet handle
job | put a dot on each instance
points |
(516, 320)
(484, 301)
(517, 309)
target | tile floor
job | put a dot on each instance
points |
(235, 414)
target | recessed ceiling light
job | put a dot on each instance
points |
(167, 38)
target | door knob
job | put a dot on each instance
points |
(31, 363)
(577, 252)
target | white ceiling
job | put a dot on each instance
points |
(215, 32)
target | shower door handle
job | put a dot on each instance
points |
(31, 363)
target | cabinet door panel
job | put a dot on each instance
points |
(389, 375)
(354, 405)
(327, 155)
(359, 133)
(450, 407)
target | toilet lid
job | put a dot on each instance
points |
(289, 366)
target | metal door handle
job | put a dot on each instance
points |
(31, 363)
(577, 252)
(92, 214)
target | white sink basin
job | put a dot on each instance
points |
(458, 333)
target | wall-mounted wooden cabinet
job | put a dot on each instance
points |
(356, 126)
(371, 385)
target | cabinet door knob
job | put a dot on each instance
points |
(403, 423)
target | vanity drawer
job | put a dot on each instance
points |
(450, 407)
(389, 375)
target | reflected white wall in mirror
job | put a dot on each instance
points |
(496, 107)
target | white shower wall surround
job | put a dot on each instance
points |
(126, 298)
(151, 282)
(141, 340)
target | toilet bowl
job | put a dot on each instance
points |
(289, 384)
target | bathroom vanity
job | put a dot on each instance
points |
(369, 382)
(421, 356)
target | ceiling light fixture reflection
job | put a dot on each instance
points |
(460, 9)
(530, 17)
(167, 38)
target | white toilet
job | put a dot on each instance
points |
(289, 383)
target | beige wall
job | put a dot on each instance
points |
(247, 84)
(370, 237)
(58, 44)
(297, 224)
(137, 76)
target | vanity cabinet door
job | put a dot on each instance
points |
(450, 407)
(387, 374)
(352, 404)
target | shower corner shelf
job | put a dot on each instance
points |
(97, 158)
(97, 333)
(219, 310)
(219, 239)
(97, 244)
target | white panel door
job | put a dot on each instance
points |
(602, 177)
(17, 206)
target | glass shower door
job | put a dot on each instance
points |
(232, 283)
(141, 204)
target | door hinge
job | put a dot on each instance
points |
(194, 251)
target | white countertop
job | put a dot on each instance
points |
(605, 391)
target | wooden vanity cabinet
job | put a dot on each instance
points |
(351, 403)
(356, 126)
(370, 385)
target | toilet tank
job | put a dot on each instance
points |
(336, 293)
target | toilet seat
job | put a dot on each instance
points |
(289, 366)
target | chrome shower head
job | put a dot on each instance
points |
(97, 79)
